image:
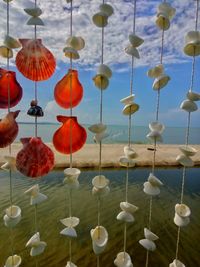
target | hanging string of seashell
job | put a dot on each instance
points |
(71, 136)
(123, 259)
(182, 211)
(99, 234)
(165, 13)
(10, 95)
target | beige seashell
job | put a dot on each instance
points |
(189, 106)
(77, 43)
(182, 210)
(37, 199)
(39, 249)
(70, 183)
(71, 53)
(13, 211)
(130, 109)
(14, 260)
(6, 52)
(167, 9)
(130, 152)
(34, 12)
(11, 222)
(107, 9)
(180, 221)
(176, 263)
(188, 151)
(123, 259)
(163, 22)
(99, 237)
(132, 51)
(32, 191)
(156, 71)
(150, 235)
(11, 42)
(161, 81)
(101, 81)
(192, 43)
(70, 221)
(164, 14)
(148, 244)
(100, 136)
(10, 164)
(100, 181)
(72, 173)
(128, 100)
(100, 19)
(69, 232)
(155, 136)
(193, 96)
(156, 126)
(126, 162)
(125, 217)
(185, 161)
(70, 264)
(97, 128)
(128, 207)
(154, 181)
(135, 40)
(151, 190)
(101, 192)
(35, 21)
(104, 70)
(34, 240)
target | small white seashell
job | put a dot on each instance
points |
(150, 235)
(13, 211)
(100, 19)
(182, 210)
(39, 249)
(163, 22)
(34, 240)
(188, 151)
(13, 261)
(70, 264)
(156, 126)
(101, 192)
(100, 181)
(97, 249)
(148, 244)
(135, 40)
(132, 51)
(69, 232)
(176, 263)
(39, 198)
(72, 173)
(192, 43)
(71, 53)
(128, 100)
(11, 222)
(11, 42)
(125, 217)
(70, 221)
(156, 71)
(76, 43)
(154, 181)
(128, 207)
(161, 82)
(101, 81)
(34, 12)
(164, 14)
(185, 161)
(180, 221)
(130, 109)
(70, 183)
(97, 128)
(35, 21)
(193, 96)
(10, 164)
(32, 191)
(6, 52)
(100, 136)
(126, 162)
(104, 70)
(151, 190)
(155, 136)
(129, 152)
(107, 9)
(189, 106)
(123, 259)
(99, 237)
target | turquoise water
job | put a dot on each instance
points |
(118, 134)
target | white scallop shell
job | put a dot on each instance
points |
(130, 152)
(126, 162)
(123, 259)
(100, 181)
(99, 236)
(13, 261)
(192, 43)
(150, 235)
(189, 106)
(193, 96)
(97, 128)
(101, 192)
(35, 21)
(11, 42)
(132, 51)
(70, 221)
(156, 126)
(176, 263)
(163, 21)
(128, 100)
(130, 109)
(75, 42)
(125, 217)
(161, 81)
(39, 249)
(148, 244)
(6, 52)
(13, 211)
(34, 240)
(185, 161)
(100, 19)
(155, 136)
(10, 164)
(100, 136)
(135, 40)
(72, 173)
(101, 81)
(182, 210)
(154, 181)
(34, 12)
(188, 151)
(11, 222)
(151, 190)
(104, 70)
(180, 221)
(107, 9)
(33, 191)
(69, 232)
(128, 207)
(71, 53)
(156, 71)
(39, 198)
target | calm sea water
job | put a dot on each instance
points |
(84, 206)
(118, 134)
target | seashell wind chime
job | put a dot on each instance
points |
(123, 259)
(165, 13)
(71, 136)
(182, 211)
(10, 95)
(99, 234)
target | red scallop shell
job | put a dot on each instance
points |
(35, 61)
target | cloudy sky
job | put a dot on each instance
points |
(56, 31)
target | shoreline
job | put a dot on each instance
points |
(88, 156)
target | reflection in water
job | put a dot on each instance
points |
(84, 207)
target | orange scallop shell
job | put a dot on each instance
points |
(34, 60)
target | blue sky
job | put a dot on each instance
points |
(56, 31)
